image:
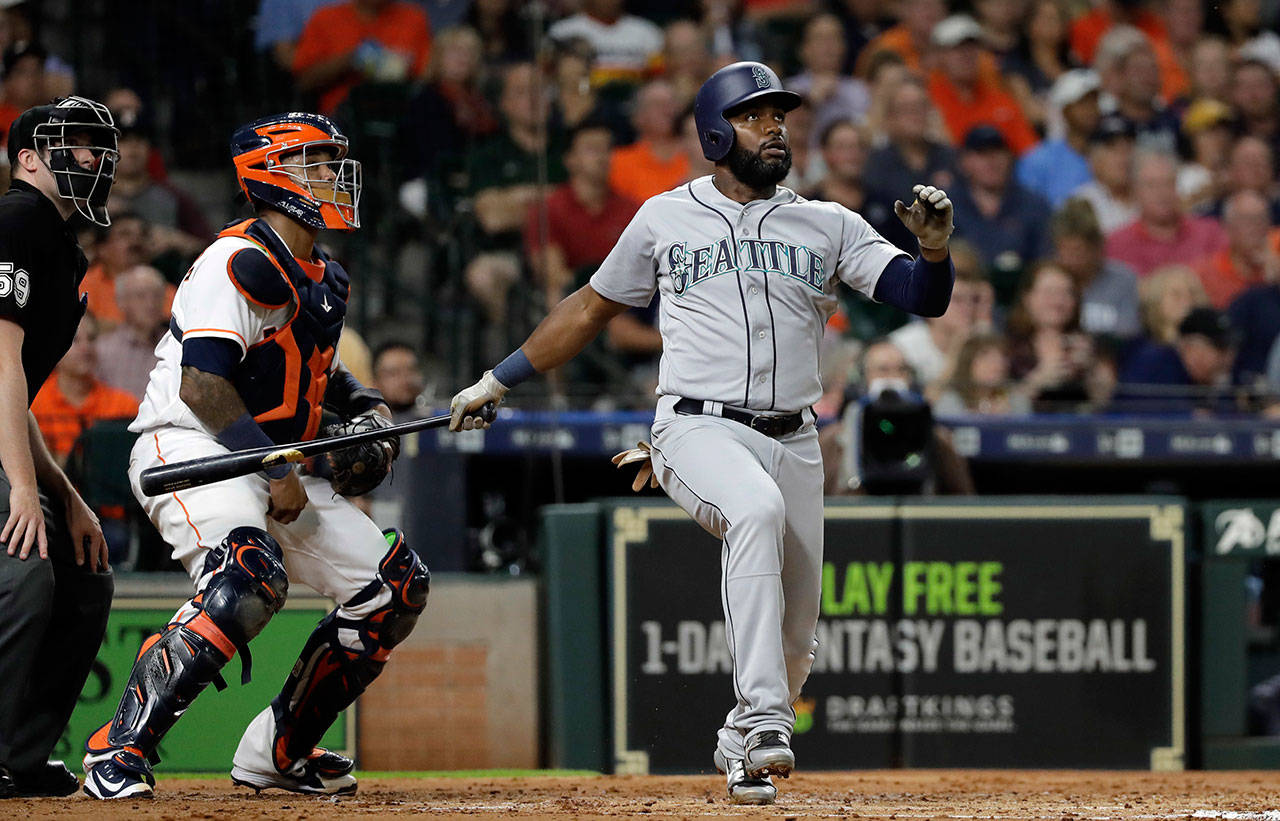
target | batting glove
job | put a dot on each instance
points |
(641, 453)
(929, 217)
(488, 389)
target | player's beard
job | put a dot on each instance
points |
(755, 171)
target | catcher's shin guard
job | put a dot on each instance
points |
(243, 586)
(347, 651)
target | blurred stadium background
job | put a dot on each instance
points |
(1111, 348)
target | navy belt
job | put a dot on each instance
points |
(771, 426)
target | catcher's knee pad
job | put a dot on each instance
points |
(243, 586)
(346, 652)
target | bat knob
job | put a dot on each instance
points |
(488, 412)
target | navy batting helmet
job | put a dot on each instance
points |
(729, 88)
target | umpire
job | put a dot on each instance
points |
(55, 586)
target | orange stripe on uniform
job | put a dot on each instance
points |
(190, 331)
(185, 512)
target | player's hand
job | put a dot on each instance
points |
(929, 217)
(86, 534)
(25, 526)
(488, 389)
(287, 498)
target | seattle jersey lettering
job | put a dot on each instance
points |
(770, 256)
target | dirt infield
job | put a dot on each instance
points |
(906, 794)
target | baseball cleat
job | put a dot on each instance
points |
(321, 773)
(119, 774)
(767, 753)
(742, 788)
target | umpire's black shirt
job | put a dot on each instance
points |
(41, 266)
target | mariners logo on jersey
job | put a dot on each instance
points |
(691, 267)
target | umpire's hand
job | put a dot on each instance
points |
(86, 534)
(929, 217)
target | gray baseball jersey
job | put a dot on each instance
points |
(746, 289)
(746, 292)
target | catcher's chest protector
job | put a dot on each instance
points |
(283, 378)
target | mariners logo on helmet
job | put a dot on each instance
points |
(727, 89)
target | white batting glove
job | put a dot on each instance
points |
(929, 217)
(488, 389)
(641, 453)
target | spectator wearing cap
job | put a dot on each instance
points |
(577, 224)
(126, 354)
(1111, 147)
(1248, 258)
(1108, 289)
(1255, 96)
(1057, 166)
(908, 157)
(175, 221)
(355, 41)
(628, 48)
(1191, 374)
(1007, 223)
(1130, 77)
(832, 95)
(1207, 127)
(1163, 233)
(24, 82)
(655, 162)
(964, 96)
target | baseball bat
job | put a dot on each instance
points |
(197, 472)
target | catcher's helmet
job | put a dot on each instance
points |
(268, 170)
(727, 89)
(85, 179)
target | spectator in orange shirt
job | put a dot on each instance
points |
(656, 161)
(74, 399)
(122, 246)
(967, 99)
(385, 41)
(1248, 258)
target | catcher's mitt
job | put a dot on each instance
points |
(356, 470)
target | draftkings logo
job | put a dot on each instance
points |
(804, 708)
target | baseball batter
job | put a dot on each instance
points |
(249, 360)
(748, 274)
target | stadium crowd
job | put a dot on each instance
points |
(1112, 165)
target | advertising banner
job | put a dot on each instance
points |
(950, 635)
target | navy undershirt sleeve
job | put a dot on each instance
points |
(210, 354)
(917, 286)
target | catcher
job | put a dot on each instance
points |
(249, 360)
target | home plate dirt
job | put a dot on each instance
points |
(902, 794)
